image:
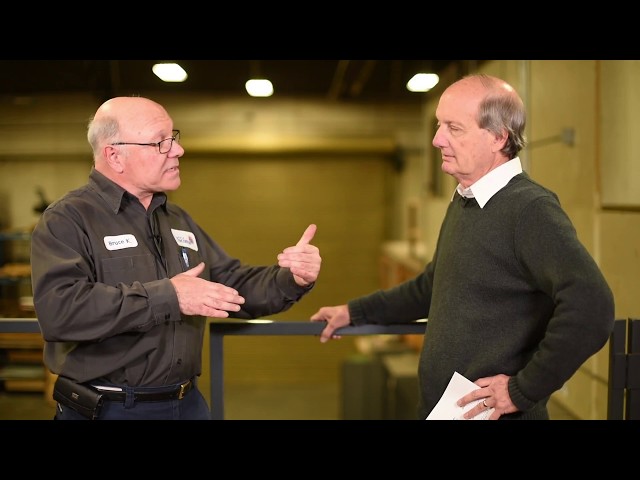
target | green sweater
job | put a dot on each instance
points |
(510, 290)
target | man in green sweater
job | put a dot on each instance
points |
(514, 301)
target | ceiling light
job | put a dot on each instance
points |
(259, 87)
(422, 82)
(169, 72)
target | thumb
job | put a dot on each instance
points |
(195, 271)
(307, 236)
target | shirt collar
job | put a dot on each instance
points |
(492, 182)
(115, 195)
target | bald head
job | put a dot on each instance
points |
(486, 83)
(496, 106)
(128, 108)
(122, 116)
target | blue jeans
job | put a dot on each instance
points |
(192, 406)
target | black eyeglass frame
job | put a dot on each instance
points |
(174, 138)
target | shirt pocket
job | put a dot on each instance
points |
(141, 268)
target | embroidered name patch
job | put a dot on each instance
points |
(118, 242)
(185, 239)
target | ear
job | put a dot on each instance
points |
(499, 141)
(113, 158)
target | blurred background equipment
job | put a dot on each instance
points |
(44, 203)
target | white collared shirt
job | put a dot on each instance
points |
(492, 182)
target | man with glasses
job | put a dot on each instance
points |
(123, 279)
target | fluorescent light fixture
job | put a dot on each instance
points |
(169, 72)
(259, 87)
(422, 82)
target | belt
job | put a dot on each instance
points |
(158, 395)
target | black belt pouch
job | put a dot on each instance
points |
(81, 398)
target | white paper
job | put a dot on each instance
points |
(447, 409)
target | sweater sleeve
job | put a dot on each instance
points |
(557, 263)
(403, 303)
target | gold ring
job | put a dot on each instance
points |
(484, 402)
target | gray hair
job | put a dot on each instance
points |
(502, 109)
(101, 131)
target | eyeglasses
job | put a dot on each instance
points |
(163, 145)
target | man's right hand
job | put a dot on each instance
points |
(336, 317)
(197, 296)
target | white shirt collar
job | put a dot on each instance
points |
(492, 182)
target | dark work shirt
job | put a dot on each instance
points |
(101, 265)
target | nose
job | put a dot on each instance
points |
(437, 139)
(179, 148)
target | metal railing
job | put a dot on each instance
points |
(19, 325)
(218, 329)
(624, 370)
